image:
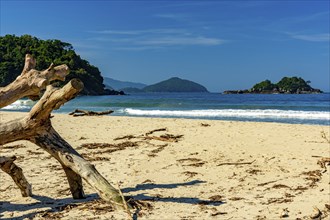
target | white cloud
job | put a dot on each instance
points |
(154, 38)
(139, 32)
(172, 41)
(313, 37)
(176, 17)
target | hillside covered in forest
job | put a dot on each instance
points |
(14, 48)
(287, 85)
(175, 84)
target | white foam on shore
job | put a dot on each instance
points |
(234, 113)
(19, 105)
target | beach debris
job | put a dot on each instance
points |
(105, 148)
(324, 162)
(124, 203)
(285, 213)
(300, 188)
(316, 214)
(324, 136)
(17, 146)
(280, 186)
(236, 198)
(216, 198)
(313, 176)
(253, 171)
(155, 130)
(266, 183)
(159, 149)
(219, 213)
(93, 157)
(196, 162)
(125, 137)
(288, 195)
(277, 200)
(190, 174)
(37, 128)
(236, 163)
(205, 125)
(165, 137)
(327, 206)
(30, 152)
(148, 181)
(79, 112)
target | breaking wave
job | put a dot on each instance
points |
(20, 105)
(233, 113)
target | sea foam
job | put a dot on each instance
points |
(19, 105)
(233, 113)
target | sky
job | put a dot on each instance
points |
(223, 45)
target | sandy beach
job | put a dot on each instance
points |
(182, 168)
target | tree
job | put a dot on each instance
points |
(266, 85)
(293, 85)
(37, 128)
(13, 49)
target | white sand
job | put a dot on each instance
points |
(193, 178)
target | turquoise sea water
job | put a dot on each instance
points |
(301, 109)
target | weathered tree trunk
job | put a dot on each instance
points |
(7, 165)
(36, 127)
(31, 82)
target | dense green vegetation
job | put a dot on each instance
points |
(266, 85)
(293, 85)
(175, 84)
(289, 85)
(14, 48)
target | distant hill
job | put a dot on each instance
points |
(175, 84)
(120, 85)
(287, 85)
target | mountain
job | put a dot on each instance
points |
(287, 85)
(119, 85)
(14, 48)
(175, 84)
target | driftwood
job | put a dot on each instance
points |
(324, 162)
(79, 112)
(164, 137)
(8, 166)
(236, 163)
(36, 127)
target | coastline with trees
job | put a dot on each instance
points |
(287, 85)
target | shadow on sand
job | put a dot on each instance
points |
(56, 205)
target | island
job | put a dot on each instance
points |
(287, 85)
(175, 84)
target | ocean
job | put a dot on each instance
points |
(284, 108)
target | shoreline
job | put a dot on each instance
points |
(195, 177)
(261, 120)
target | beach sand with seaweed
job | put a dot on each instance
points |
(178, 168)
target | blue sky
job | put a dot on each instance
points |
(220, 44)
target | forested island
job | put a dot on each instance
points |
(175, 84)
(14, 48)
(287, 85)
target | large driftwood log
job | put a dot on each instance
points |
(36, 127)
(8, 166)
(31, 82)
